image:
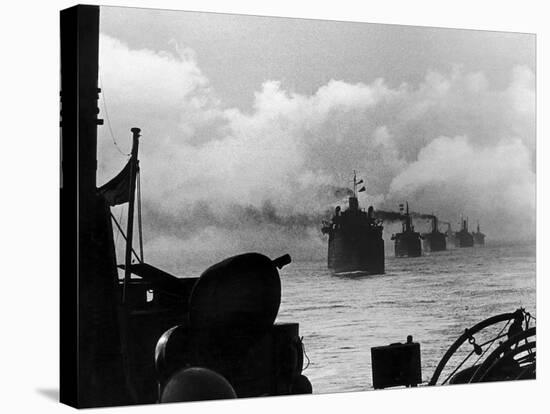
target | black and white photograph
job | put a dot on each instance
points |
(256, 206)
(275, 206)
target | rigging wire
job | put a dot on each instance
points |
(139, 212)
(120, 221)
(124, 235)
(107, 116)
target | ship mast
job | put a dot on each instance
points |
(353, 202)
(408, 218)
(130, 225)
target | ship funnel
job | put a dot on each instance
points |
(408, 221)
(353, 203)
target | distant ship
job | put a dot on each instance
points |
(451, 239)
(479, 237)
(407, 243)
(463, 238)
(355, 241)
(434, 241)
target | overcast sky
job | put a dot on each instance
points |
(271, 114)
(238, 53)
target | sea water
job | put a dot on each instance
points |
(433, 298)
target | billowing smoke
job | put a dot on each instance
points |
(218, 180)
(388, 215)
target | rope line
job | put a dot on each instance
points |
(499, 335)
(305, 354)
(107, 116)
(489, 342)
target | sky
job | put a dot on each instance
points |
(251, 124)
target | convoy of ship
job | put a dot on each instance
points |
(355, 236)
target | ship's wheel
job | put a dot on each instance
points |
(499, 348)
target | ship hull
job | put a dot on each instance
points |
(479, 240)
(435, 242)
(464, 239)
(408, 245)
(356, 253)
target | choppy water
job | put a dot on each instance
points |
(433, 298)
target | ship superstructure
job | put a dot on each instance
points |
(407, 243)
(355, 238)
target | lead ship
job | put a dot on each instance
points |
(479, 237)
(355, 241)
(434, 241)
(407, 243)
(463, 238)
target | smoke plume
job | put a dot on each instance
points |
(219, 180)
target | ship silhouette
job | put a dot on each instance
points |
(407, 243)
(435, 240)
(479, 237)
(355, 241)
(451, 239)
(463, 238)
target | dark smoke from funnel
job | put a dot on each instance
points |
(423, 216)
(232, 217)
(236, 216)
(388, 215)
(397, 216)
(340, 192)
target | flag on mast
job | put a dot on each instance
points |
(117, 191)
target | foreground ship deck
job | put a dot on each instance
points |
(137, 340)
